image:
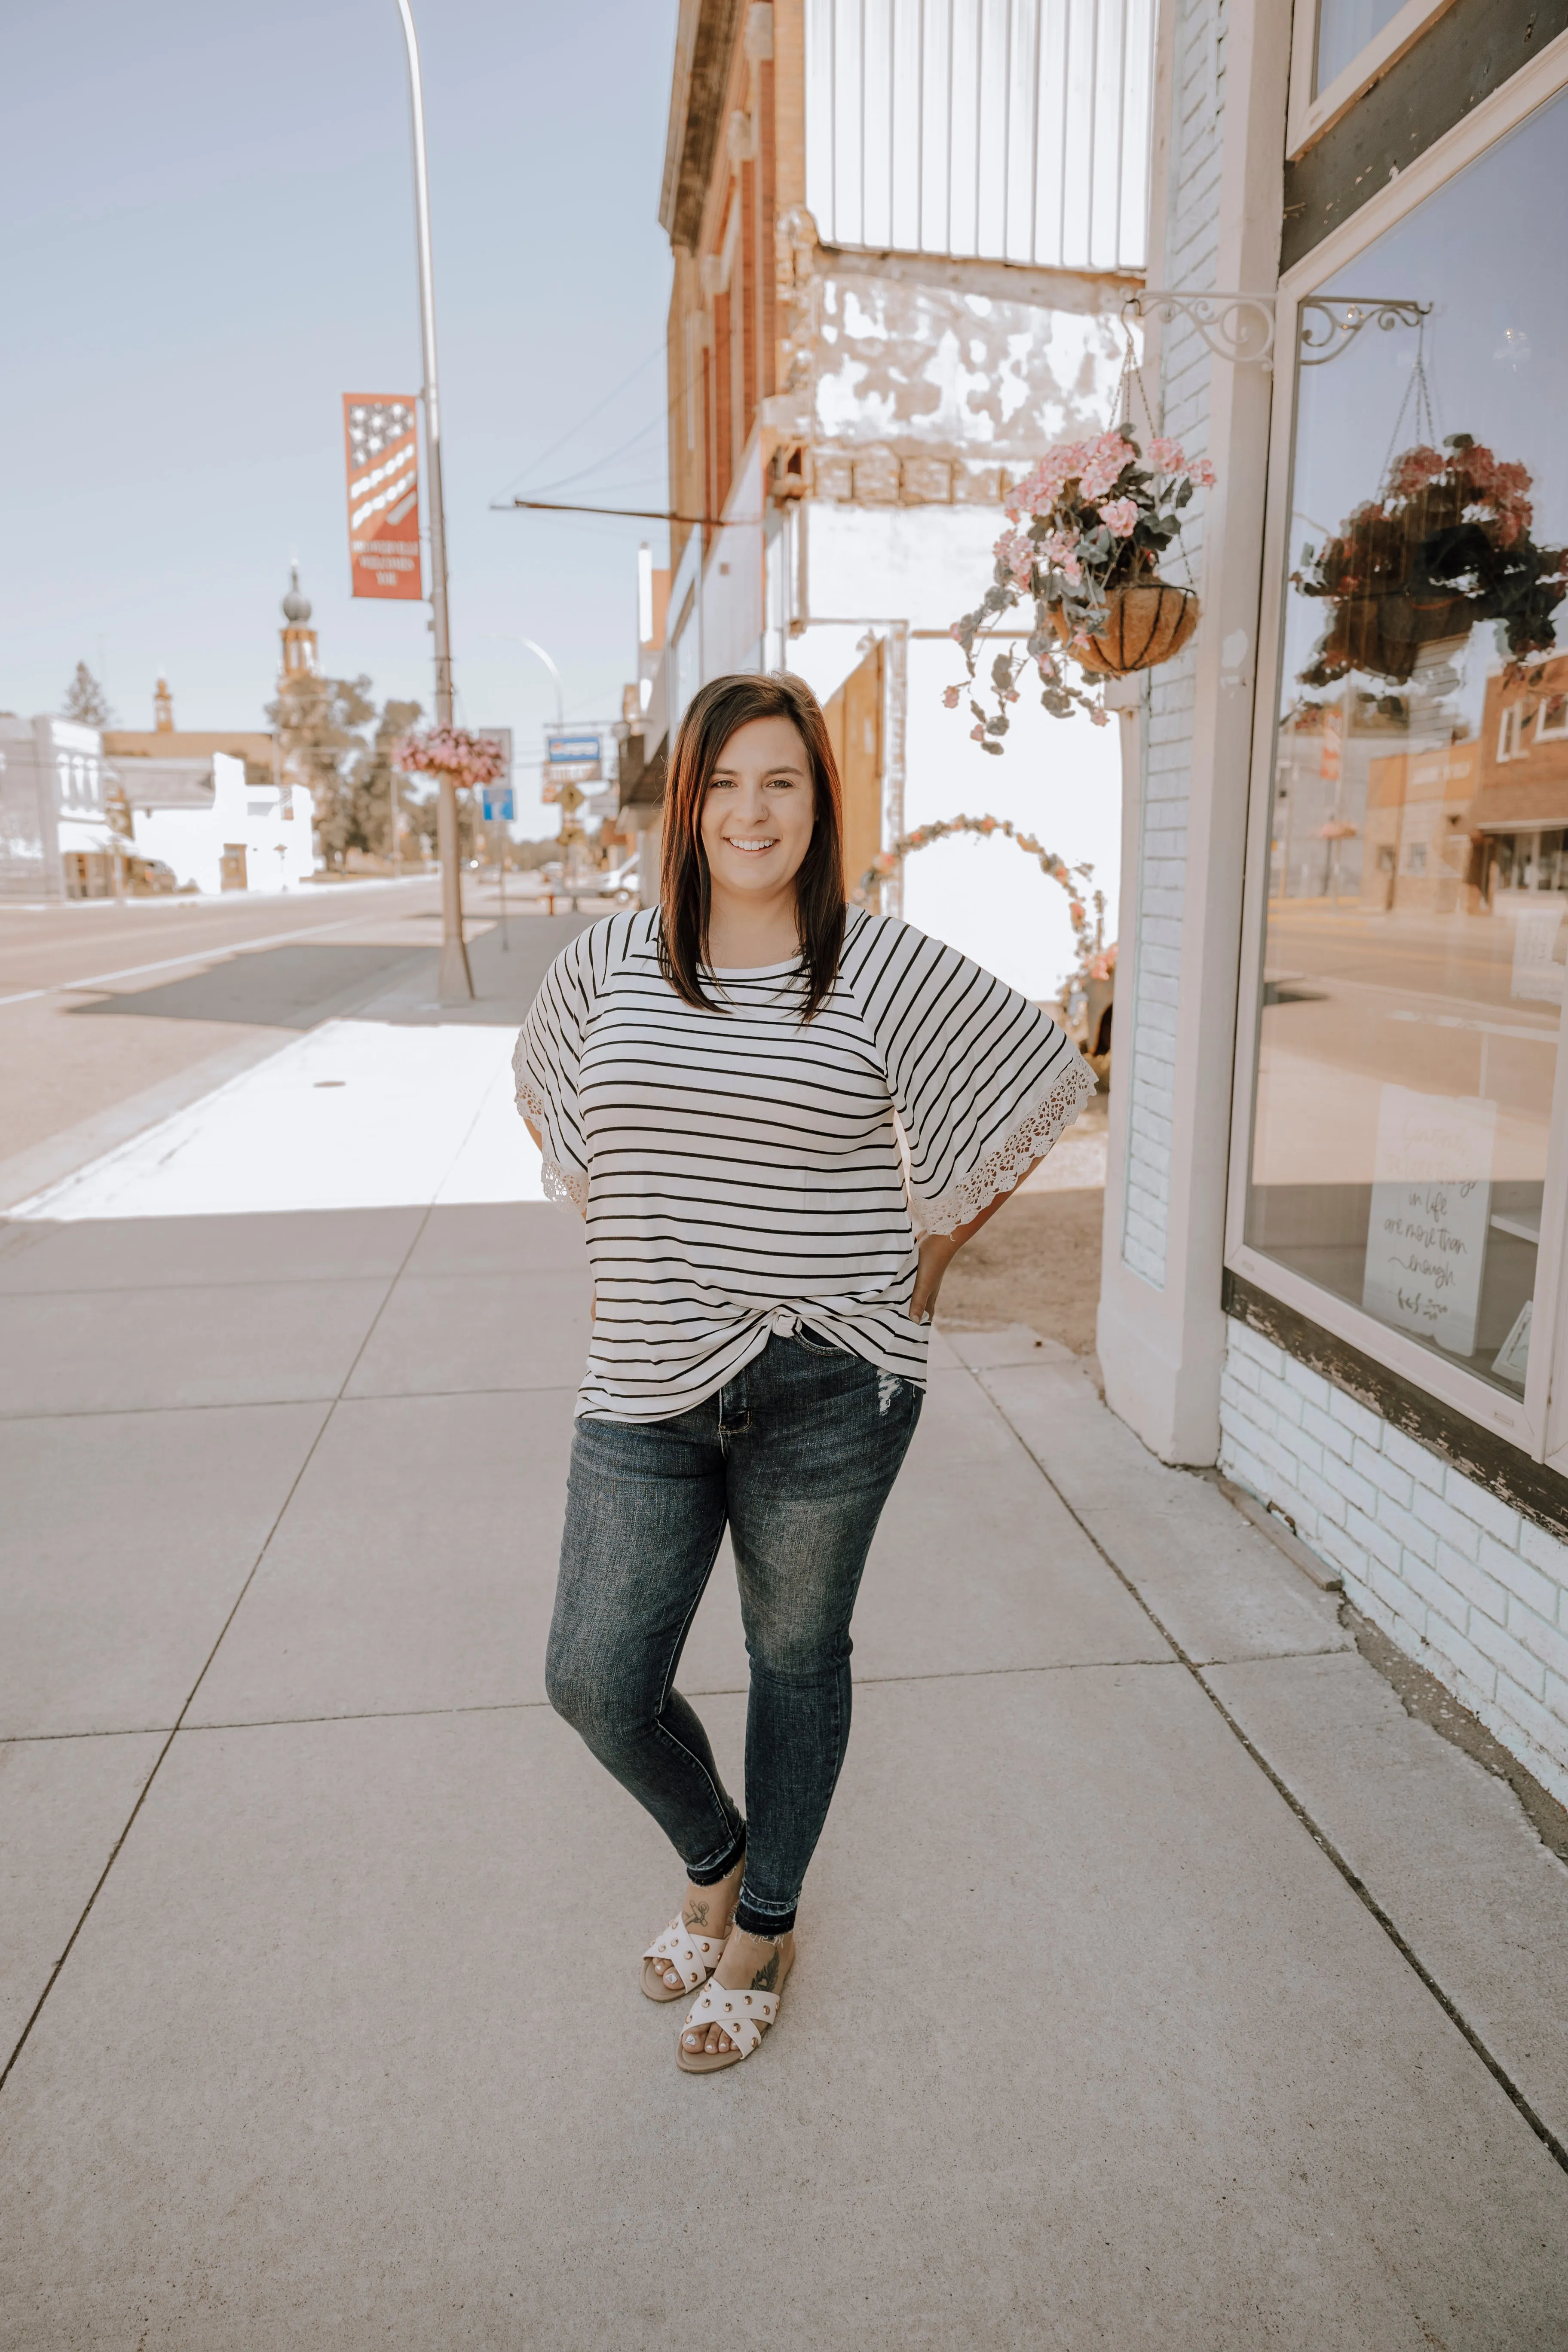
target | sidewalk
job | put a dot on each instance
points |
(1162, 1983)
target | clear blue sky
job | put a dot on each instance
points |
(210, 238)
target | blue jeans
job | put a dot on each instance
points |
(797, 1455)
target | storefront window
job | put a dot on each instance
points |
(1413, 960)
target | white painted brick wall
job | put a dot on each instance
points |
(1474, 1592)
(1149, 1036)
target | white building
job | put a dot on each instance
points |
(1336, 1234)
(215, 830)
(55, 838)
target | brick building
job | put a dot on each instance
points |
(898, 273)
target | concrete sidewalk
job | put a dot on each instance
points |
(1162, 1984)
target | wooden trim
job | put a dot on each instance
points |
(1310, 116)
(1539, 1495)
(1473, 51)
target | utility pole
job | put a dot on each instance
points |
(456, 984)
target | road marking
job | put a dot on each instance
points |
(201, 955)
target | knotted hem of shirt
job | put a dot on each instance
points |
(1040, 1127)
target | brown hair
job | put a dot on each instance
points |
(685, 888)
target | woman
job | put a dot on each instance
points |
(720, 1085)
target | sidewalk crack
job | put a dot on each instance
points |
(1512, 2090)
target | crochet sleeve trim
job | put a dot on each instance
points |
(567, 1185)
(1040, 1127)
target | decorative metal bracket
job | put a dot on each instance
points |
(1327, 329)
(1240, 328)
(1236, 327)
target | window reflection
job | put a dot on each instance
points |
(1418, 859)
(1344, 28)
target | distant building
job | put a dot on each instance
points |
(164, 740)
(57, 837)
(218, 829)
(214, 804)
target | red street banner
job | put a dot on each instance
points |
(381, 439)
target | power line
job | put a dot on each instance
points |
(573, 430)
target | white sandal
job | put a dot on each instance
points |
(693, 1958)
(740, 2014)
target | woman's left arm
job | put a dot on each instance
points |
(939, 1250)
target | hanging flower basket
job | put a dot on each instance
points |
(453, 755)
(1447, 545)
(1089, 525)
(1146, 624)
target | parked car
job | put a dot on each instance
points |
(149, 877)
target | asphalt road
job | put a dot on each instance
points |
(112, 1015)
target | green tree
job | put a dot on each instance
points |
(370, 803)
(318, 723)
(86, 702)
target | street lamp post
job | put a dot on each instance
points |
(456, 982)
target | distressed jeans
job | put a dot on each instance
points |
(797, 1456)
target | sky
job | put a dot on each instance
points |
(211, 239)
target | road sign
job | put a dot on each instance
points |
(496, 803)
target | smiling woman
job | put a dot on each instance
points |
(758, 1096)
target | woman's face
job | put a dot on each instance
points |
(759, 807)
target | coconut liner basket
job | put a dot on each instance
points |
(1149, 621)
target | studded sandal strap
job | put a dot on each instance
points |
(692, 1957)
(741, 2015)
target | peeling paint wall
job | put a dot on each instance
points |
(926, 369)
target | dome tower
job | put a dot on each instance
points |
(299, 639)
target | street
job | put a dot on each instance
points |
(1163, 1981)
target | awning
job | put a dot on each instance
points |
(643, 779)
(1519, 808)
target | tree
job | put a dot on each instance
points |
(318, 723)
(86, 702)
(370, 804)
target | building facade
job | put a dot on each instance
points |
(1335, 1219)
(902, 249)
(58, 837)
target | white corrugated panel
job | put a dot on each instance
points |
(996, 130)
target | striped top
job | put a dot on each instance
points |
(741, 1174)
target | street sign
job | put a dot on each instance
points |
(576, 748)
(573, 755)
(496, 803)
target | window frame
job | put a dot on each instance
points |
(1537, 1423)
(1307, 117)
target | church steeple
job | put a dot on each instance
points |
(299, 639)
(163, 707)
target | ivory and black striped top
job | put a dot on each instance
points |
(741, 1173)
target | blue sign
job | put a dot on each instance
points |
(502, 805)
(570, 751)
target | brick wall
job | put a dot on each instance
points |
(1185, 364)
(1475, 1593)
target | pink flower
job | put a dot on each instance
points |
(1168, 454)
(1202, 473)
(950, 697)
(977, 734)
(1098, 716)
(1119, 517)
